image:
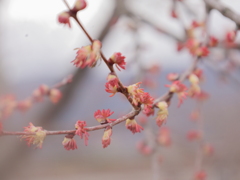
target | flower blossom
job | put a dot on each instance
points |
(162, 113)
(55, 95)
(164, 136)
(112, 84)
(88, 55)
(139, 96)
(180, 89)
(132, 125)
(82, 131)
(118, 59)
(195, 48)
(102, 116)
(194, 88)
(79, 5)
(69, 143)
(64, 18)
(36, 139)
(106, 139)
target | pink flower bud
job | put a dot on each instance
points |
(69, 143)
(64, 18)
(55, 95)
(118, 59)
(132, 125)
(162, 113)
(82, 131)
(79, 5)
(101, 116)
(36, 139)
(106, 139)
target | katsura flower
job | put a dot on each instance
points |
(112, 87)
(139, 96)
(88, 55)
(180, 89)
(55, 95)
(213, 41)
(24, 105)
(164, 137)
(148, 110)
(79, 5)
(132, 125)
(69, 143)
(36, 139)
(194, 88)
(40, 92)
(102, 116)
(200, 175)
(162, 113)
(106, 139)
(82, 131)
(64, 18)
(118, 59)
(194, 135)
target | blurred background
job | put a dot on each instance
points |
(35, 49)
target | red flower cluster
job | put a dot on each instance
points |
(106, 139)
(69, 143)
(196, 49)
(79, 5)
(64, 18)
(132, 125)
(112, 84)
(180, 89)
(36, 139)
(82, 131)
(88, 55)
(139, 96)
(118, 59)
(102, 116)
